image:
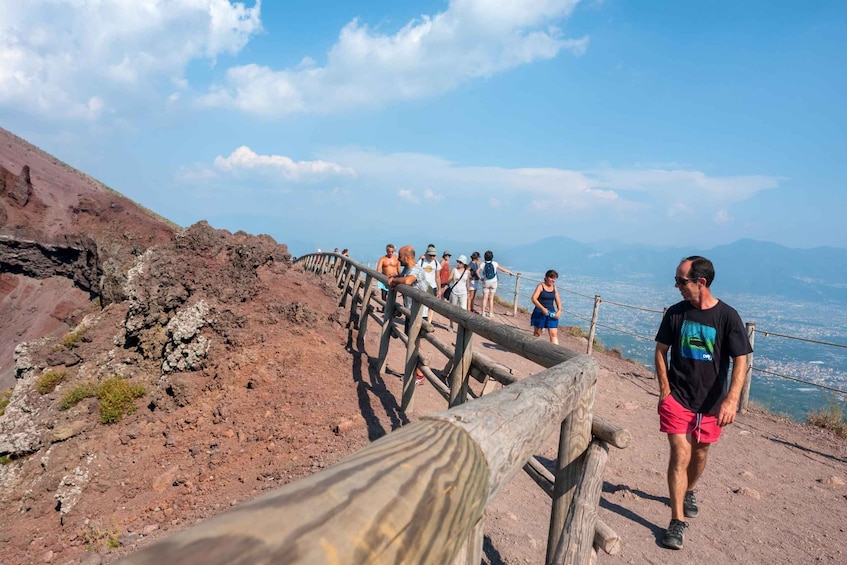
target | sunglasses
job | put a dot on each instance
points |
(679, 281)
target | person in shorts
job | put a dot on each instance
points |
(548, 307)
(475, 282)
(703, 334)
(489, 284)
(388, 265)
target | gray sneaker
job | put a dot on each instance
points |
(689, 505)
(674, 534)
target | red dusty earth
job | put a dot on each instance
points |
(251, 379)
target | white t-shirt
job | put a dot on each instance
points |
(461, 287)
(431, 269)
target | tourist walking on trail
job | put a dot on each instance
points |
(703, 334)
(548, 307)
(432, 269)
(444, 272)
(488, 273)
(475, 283)
(388, 265)
(412, 275)
(458, 284)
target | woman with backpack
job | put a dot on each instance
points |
(488, 274)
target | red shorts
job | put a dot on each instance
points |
(674, 418)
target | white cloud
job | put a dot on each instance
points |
(245, 159)
(471, 39)
(430, 195)
(408, 195)
(723, 217)
(81, 59)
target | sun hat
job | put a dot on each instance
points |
(446, 254)
(462, 259)
(430, 250)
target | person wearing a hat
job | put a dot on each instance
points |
(432, 269)
(459, 283)
(444, 274)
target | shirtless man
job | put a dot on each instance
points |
(388, 265)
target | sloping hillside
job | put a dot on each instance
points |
(66, 243)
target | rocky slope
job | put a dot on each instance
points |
(66, 244)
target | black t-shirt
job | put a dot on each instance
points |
(702, 342)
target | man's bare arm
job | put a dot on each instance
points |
(726, 413)
(660, 359)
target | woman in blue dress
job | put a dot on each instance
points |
(548, 307)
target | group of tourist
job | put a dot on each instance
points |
(468, 279)
(698, 339)
(460, 284)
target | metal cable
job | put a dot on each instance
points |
(642, 308)
(799, 380)
(767, 334)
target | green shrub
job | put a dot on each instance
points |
(48, 380)
(576, 331)
(71, 339)
(77, 394)
(833, 416)
(117, 398)
(5, 396)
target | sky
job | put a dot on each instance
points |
(325, 122)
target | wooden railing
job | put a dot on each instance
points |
(418, 495)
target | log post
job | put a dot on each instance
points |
(606, 539)
(342, 271)
(574, 547)
(345, 286)
(574, 437)
(471, 553)
(593, 329)
(364, 315)
(387, 327)
(517, 288)
(744, 401)
(412, 351)
(413, 496)
(461, 366)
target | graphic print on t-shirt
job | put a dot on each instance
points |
(697, 341)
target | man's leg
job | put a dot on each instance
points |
(678, 469)
(699, 454)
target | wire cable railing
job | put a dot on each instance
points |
(594, 323)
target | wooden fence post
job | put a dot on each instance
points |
(517, 288)
(574, 437)
(593, 329)
(366, 305)
(387, 328)
(461, 366)
(412, 354)
(577, 540)
(745, 392)
(345, 286)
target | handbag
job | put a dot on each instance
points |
(449, 290)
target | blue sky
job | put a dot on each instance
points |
(504, 121)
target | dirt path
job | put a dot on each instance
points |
(773, 491)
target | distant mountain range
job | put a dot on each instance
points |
(746, 266)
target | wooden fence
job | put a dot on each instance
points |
(418, 494)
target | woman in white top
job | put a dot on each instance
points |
(459, 284)
(489, 281)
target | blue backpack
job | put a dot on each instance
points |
(489, 271)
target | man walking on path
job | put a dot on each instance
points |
(412, 275)
(703, 334)
(388, 265)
